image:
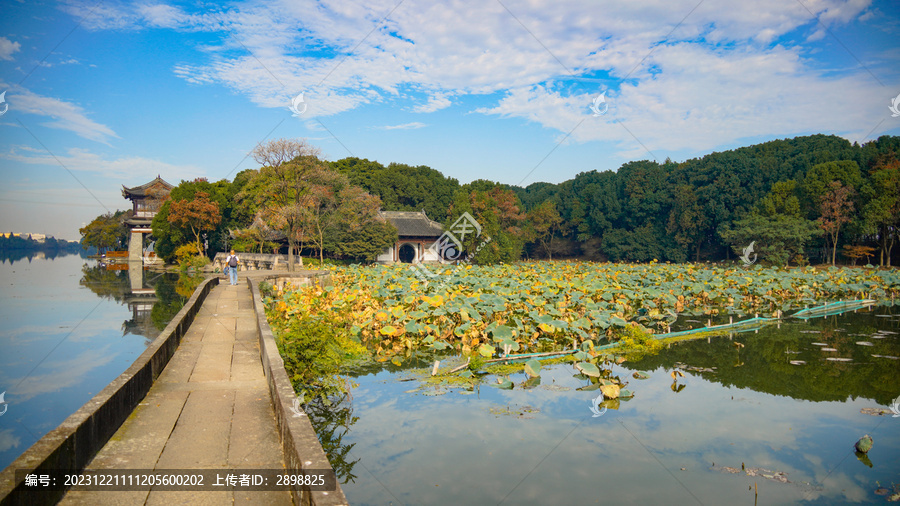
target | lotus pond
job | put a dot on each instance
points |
(768, 415)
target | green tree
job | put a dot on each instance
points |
(402, 187)
(354, 228)
(105, 232)
(881, 212)
(687, 220)
(777, 238)
(279, 193)
(817, 182)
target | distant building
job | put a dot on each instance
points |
(416, 233)
(147, 199)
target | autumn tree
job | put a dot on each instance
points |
(835, 206)
(498, 212)
(197, 215)
(542, 222)
(856, 252)
(276, 153)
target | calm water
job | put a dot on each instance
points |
(68, 328)
(395, 443)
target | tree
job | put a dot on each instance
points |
(280, 151)
(197, 215)
(279, 193)
(499, 214)
(881, 212)
(105, 232)
(542, 222)
(320, 206)
(402, 187)
(169, 236)
(856, 252)
(835, 207)
(257, 235)
(687, 220)
(354, 228)
(777, 238)
(819, 178)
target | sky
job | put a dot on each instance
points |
(101, 94)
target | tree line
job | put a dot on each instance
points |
(16, 243)
(812, 198)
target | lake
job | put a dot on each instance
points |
(683, 440)
(68, 327)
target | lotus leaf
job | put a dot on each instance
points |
(533, 368)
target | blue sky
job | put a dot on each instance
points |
(105, 93)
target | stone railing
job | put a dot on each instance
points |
(302, 449)
(255, 261)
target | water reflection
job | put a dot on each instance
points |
(13, 256)
(153, 297)
(62, 324)
(332, 423)
(734, 405)
(763, 363)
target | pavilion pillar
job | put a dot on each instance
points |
(135, 276)
(136, 246)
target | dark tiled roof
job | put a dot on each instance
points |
(139, 191)
(413, 223)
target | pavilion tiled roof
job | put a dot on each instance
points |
(413, 223)
(140, 191)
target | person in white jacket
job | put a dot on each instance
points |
(231, 264)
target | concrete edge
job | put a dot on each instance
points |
(73, 444)
(300, 444)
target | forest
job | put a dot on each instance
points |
(810, 199)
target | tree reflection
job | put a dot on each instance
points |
(107, 284)
(331, 423)
(765, 364)
(169, 302)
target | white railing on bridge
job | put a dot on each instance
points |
(255, 261)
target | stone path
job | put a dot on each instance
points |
(209, 409)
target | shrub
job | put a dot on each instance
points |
(188, 257)
(637, 342)
(313, 350)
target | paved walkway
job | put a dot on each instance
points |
(209, 409)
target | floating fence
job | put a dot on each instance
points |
(755, 323)
(833, 308)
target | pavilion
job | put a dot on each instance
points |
(147, 199)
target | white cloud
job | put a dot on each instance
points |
(699, 75)
(82, 160)
(7, 48)
(8, 440)
(435, 102)
(405, 126)
(65, 115)
(701, 99)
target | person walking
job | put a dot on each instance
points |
(231, 263)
